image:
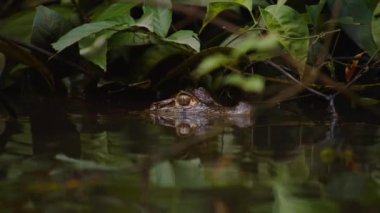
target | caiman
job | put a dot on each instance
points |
(189, 111)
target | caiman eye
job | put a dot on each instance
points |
(184, 100)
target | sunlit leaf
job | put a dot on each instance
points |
(291, 30)
(281, 2)
(186, 37)
(160, 14)
(247, 83)
(81, 32)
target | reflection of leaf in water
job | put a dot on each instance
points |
(84, 164)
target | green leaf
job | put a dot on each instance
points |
(81, 32)
(362, 13)
(313, 11)
(115, 11)
(253, 44)
(186, 37)
(18, 26)
(214, 7)
(159, 15)
(48, 26)
(95, 50)
(290, 29)
(211, 63)
(376, 26)
(252, 83)
(137, 37)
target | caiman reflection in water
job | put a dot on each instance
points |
(189, 111)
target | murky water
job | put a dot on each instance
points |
(278, 161)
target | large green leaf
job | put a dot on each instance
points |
(158, 16)
(376, 25)
(314, 11)
(253, 44)
(81, 32)
(135, 38)
(185, 37)
(48, 26)
(362, 12)
(95, 49)
(115, 11)
(18, 26)
(214, 7)
(290, 29)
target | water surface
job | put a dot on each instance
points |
(280, 160)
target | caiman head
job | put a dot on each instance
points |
(189, 111)
(196, 102)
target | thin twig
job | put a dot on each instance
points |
(279, 68)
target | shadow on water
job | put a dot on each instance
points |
(117, 161)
